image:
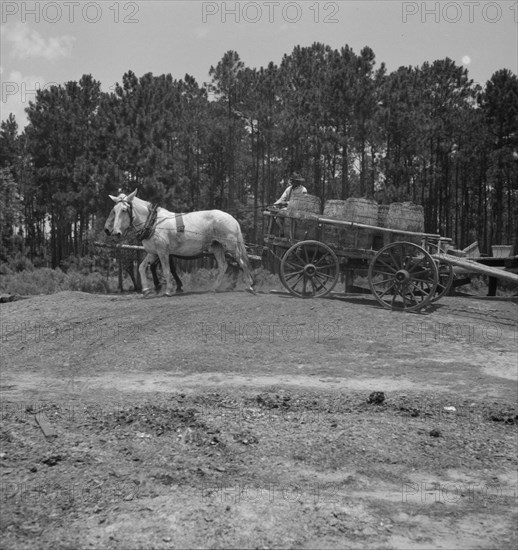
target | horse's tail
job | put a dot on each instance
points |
(242, 258)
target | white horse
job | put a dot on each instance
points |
(184, 236)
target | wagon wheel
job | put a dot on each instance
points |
(445, 281)
(403, 276)
(309, 269)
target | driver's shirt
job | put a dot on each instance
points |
(291, 192)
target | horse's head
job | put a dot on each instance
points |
(121, 215)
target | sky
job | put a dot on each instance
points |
(51, 42)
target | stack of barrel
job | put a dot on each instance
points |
(364, 211)
(405, 216)
(306, 209)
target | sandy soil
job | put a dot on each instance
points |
(236, 421)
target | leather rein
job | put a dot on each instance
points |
(149, 225)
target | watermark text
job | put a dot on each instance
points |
(457, 12)
(270, 12)
(72, 12)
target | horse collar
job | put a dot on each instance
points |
(149, 225)
(130, 211)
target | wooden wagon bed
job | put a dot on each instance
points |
(406, 270)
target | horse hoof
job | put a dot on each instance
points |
(146, 292)
(251, 291)
(179, 290)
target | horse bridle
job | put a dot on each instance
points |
(147, 230)
(130, 210)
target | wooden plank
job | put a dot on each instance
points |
(474, 267)
(460, 282)
(118, 247)
(353, 225)
(123, 246)
(45, 426)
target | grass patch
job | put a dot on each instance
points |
(49, 281)
(31, 281)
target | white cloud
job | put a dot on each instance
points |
(201, 32)
(26, 42)
(17, 91)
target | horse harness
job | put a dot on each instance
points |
(150, 224)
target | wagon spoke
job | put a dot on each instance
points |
(314, 287)
(415, 266)
(304, 279)
(411, 292)
(298, 280)
(396, 261)
(425, 270)
(326, 275)
(391, 275)
(393, 302)
(327, 266)
(385, 264)
(324, 257)
(387, 289)
(445, 281)
(384, 281)
(295, 265)
(293, 273)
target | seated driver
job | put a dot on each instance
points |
(294, 189)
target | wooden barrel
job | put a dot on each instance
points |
(380, 239)
(305, 210)
(406, 216)
(303, 204)
(357, 210)
(335, 209)
(303, 226)
(332, 234)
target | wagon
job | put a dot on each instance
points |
(313, 253)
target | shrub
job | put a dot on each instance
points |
(20, 262)
(48, 281)
(92, 282)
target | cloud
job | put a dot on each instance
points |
(17, 91)
(26, 42)
(201, 32)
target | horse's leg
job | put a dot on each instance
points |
(219, 253)
(233, 272)
(166, 272)
(128, 267)
(143, 272)
(177, 279)
(129, 271)
(153, 268)
(242, 260)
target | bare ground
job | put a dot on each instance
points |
(236, 421)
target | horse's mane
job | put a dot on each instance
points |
(141, 202)
(137, 201)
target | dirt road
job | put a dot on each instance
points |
(231, 420)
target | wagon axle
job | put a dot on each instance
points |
(310, 270)
(402, 276)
